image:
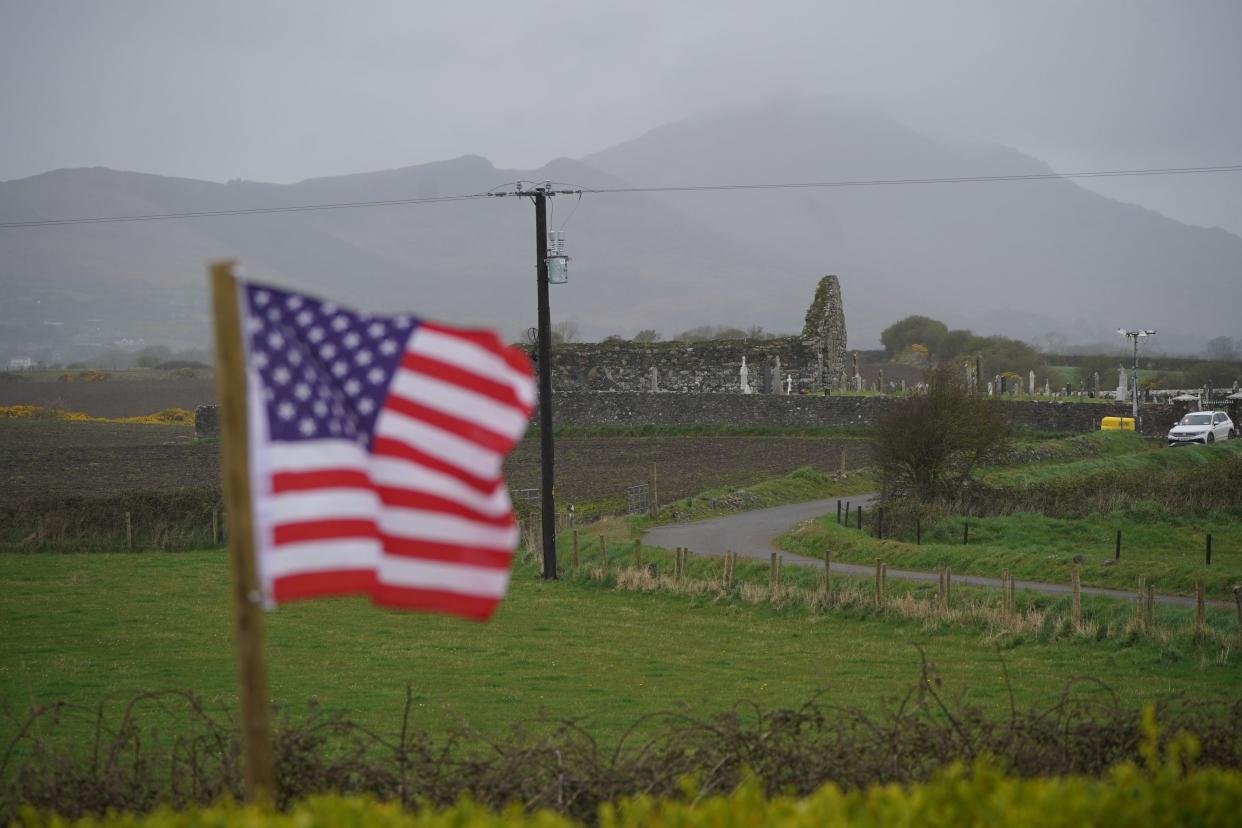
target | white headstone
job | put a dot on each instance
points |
(1122, 392)
(1046, 389)
(1031, 385)
(745, 376)
(789, 383)
(991, 388)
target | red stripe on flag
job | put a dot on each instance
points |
(446, 552)
(518, 361)
(454, 425)
(320, 479)
(318, 530)
(447, 372)
(410, 499)
(323, 584)
(434, 600)
(397, 449)
(483, 338)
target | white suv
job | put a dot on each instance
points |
(1202, 427)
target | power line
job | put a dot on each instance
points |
(241, 211)
(889, 182)
(520, 191)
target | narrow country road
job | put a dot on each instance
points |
(750, 535)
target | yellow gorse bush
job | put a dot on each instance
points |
(166, 416)
(1166, 791)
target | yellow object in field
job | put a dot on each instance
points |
(1117, 424)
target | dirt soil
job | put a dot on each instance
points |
(47, 458)
(129, 397)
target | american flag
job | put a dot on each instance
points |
(376, 445)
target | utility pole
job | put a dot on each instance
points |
(1134, 383)
(543, 356)
(547, 448)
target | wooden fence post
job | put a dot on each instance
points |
(879, 587)
(918, 531)
(1237, 599)
(948, 586)
(1076, 600)
(772, 576)
(860, 518)
(965, 533)
(838, 511)
(1207, 550)
(215, 526)
(1200, 624)
(1151, 607)
(1142, 599)
(576, 557)
(1013, 597)
(1005, 592)
(1117, 551)
(730, 559)
(828, 584)
(940, 587)
(129, 532)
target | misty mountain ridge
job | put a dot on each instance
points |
(1024, 259)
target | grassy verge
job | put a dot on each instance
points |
(82, 628)
(650, 430)
(1165, 547)
(1120, 453)
(796, 487)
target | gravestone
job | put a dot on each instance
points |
(1031, 385)
(745, 377)
(1122, 392)
(655, 378)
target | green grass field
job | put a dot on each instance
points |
(1125, 453)
(89, 627)
(1165, 548)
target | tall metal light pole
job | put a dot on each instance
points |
(1134, 384)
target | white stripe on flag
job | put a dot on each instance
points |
(404, 474)
(312, 455)
(459, 578)
(459, 402)
(322, 556)
(418, 524)
(324, 504)
(472, 357)
(457, 451)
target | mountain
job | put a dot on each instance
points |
(1017, 258)
(1021, 258)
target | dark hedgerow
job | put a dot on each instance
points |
(134, 766)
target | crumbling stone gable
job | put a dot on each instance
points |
(825, 330)
(814, 361)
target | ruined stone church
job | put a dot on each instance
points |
(815, 361)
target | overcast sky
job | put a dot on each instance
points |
(281, 91)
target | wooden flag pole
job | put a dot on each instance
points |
(234, 469)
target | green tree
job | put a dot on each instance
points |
(928, 446)
(647, 335)
(914, 329)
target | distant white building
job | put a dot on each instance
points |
(21, 364)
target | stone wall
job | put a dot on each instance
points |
(626, 409)
(687, 367)
(796, 411)
(814, 361)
